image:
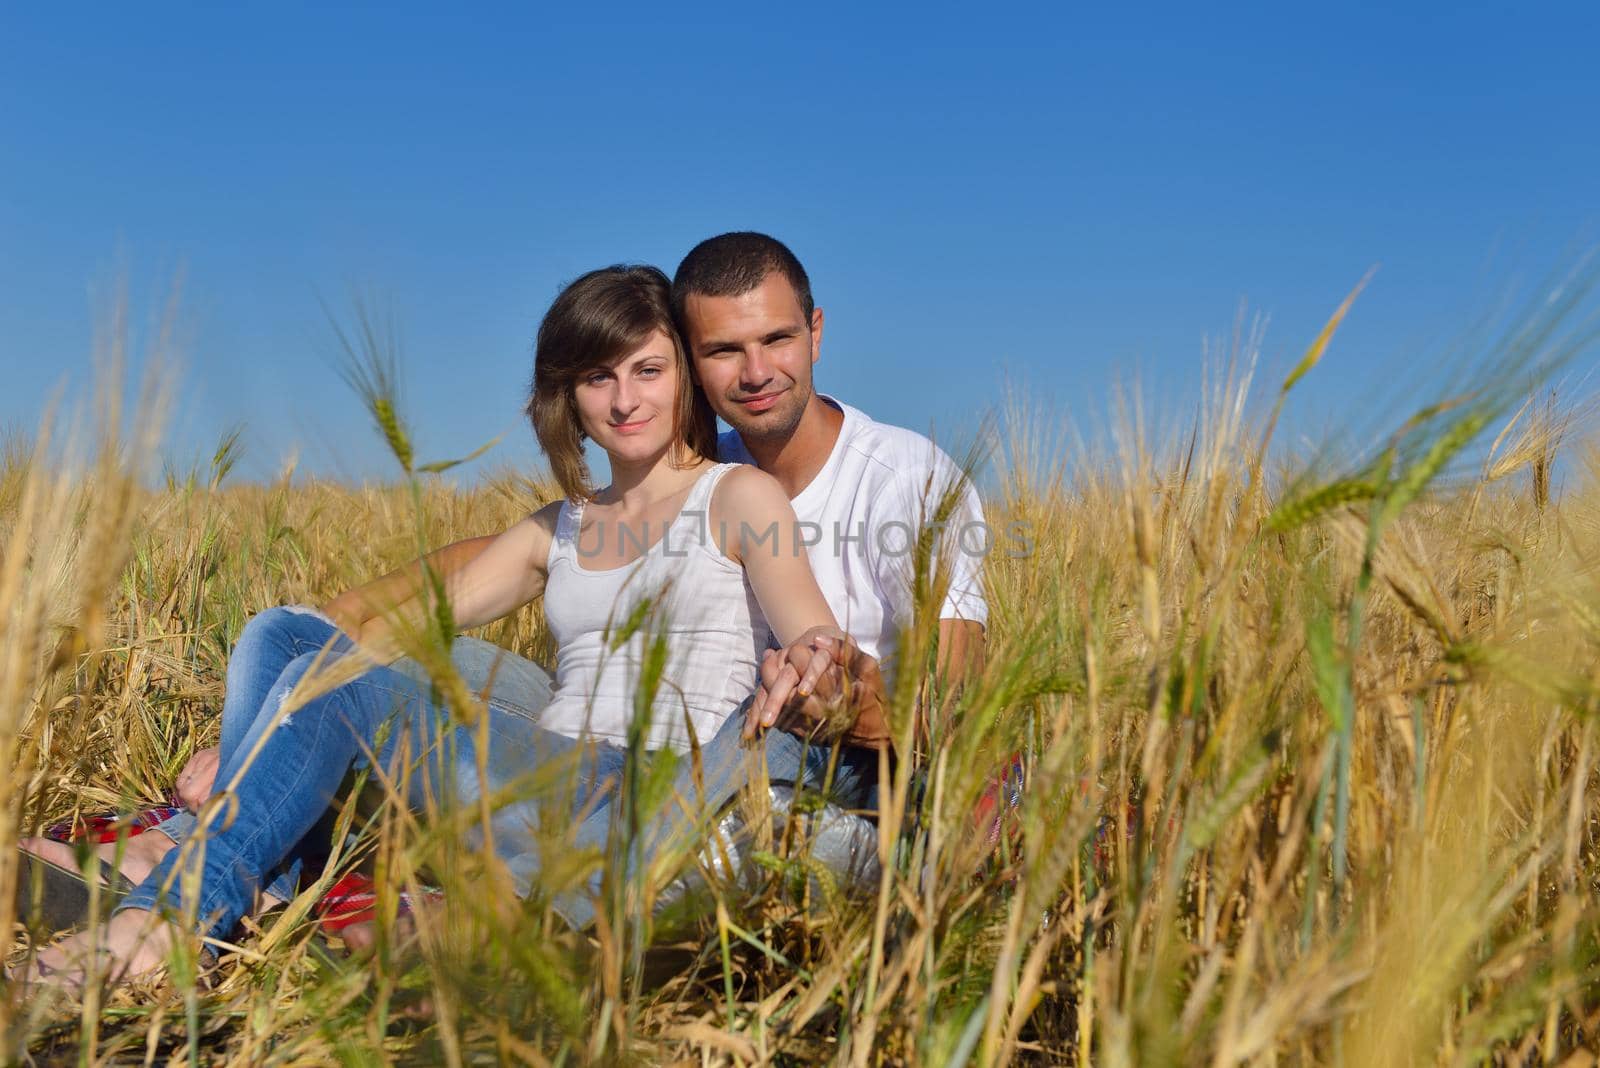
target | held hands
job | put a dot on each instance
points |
(822, 686)
(790, 673)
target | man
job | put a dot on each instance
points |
(744, 305)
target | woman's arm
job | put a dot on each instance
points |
(505, 576)
(748, 505)
(351, 610)
(498, 578)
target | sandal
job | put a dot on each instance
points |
(53, 898)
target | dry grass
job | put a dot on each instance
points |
(1310, 765)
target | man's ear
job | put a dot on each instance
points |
(816, 334)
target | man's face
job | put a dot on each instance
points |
(753, 355)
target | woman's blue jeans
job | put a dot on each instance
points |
(284, 771)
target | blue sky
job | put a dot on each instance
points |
(1063, 196)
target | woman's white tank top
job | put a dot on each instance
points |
(683, 590)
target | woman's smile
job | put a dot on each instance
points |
(632, 426)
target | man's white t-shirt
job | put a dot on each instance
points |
(861, 515)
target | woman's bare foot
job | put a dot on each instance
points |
(131, 944)
(133, 859)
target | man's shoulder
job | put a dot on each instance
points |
(731, 450)
(895, 450)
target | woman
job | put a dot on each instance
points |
(654, 543)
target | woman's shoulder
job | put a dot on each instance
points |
(548, 515)
(744, 488)
(538, 529)
(746, 499)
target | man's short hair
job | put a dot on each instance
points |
(730, 265)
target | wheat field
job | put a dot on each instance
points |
(1309, 744)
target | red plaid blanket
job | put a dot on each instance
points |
(106, 828)
(1000, 802)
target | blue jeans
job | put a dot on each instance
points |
(517, 691)
(284, 775)
(726, 766)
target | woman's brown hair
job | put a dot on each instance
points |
(598, 318)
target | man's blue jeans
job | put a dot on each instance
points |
(284, 775)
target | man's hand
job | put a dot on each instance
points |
(827, 688)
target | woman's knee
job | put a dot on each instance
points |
(263, 628)
(265, 647)
(284, 630)
(296, 669)
(363, 705)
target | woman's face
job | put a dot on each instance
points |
(627, 407)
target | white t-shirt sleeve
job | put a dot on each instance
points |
(923, 486)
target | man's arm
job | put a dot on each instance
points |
(961, 653)
(353, 609)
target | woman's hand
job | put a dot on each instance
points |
(813, 652)
(197, 778)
